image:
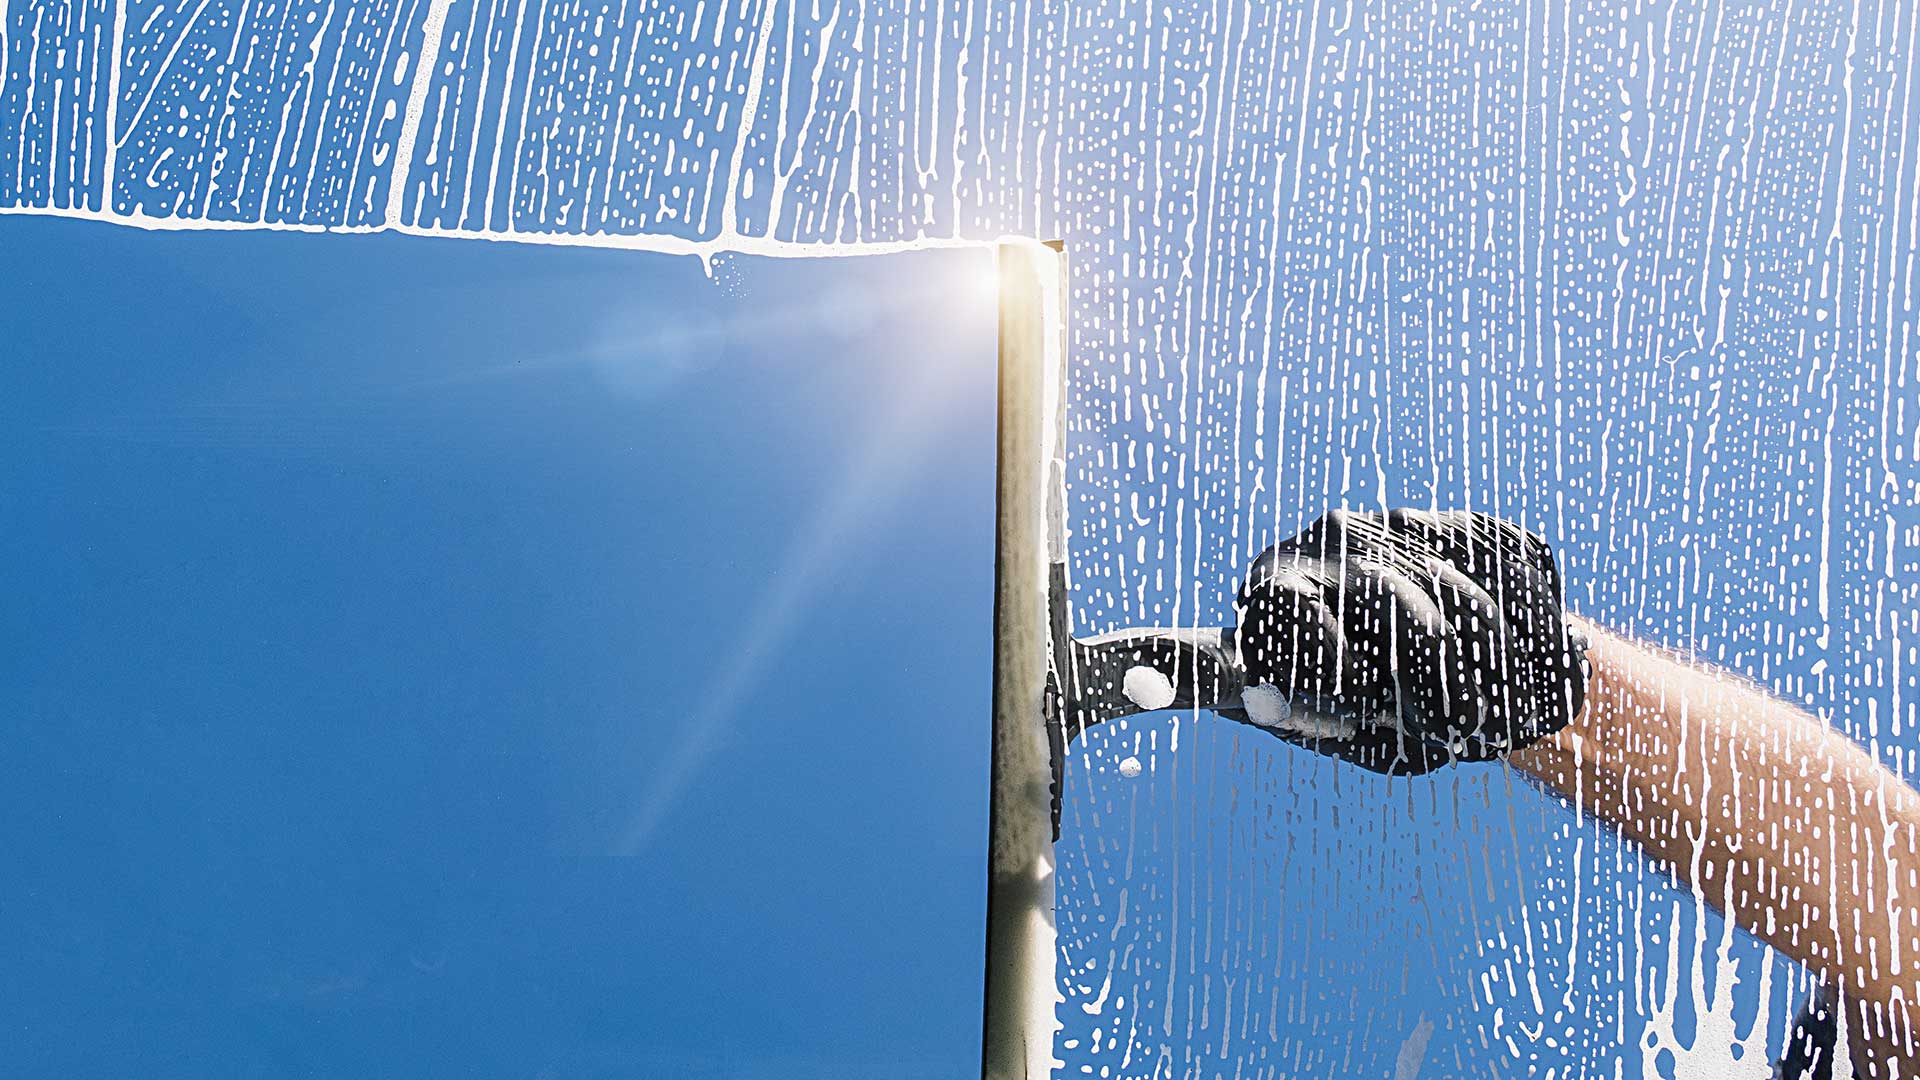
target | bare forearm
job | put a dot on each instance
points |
(1798, 835)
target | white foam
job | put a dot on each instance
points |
(1268, 707)
(1147, 688)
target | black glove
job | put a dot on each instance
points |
(1408, 640)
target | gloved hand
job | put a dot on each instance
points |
(1408, 640)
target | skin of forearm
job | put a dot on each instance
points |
(1797, 835)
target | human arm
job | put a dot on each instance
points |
(1384, 657)
(1401, 641)
(1796, 834)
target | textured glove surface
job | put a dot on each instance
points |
(1407, 640)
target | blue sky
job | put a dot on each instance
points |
(451, 659)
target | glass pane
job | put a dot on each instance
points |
(470, 660)
(1638, 278)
